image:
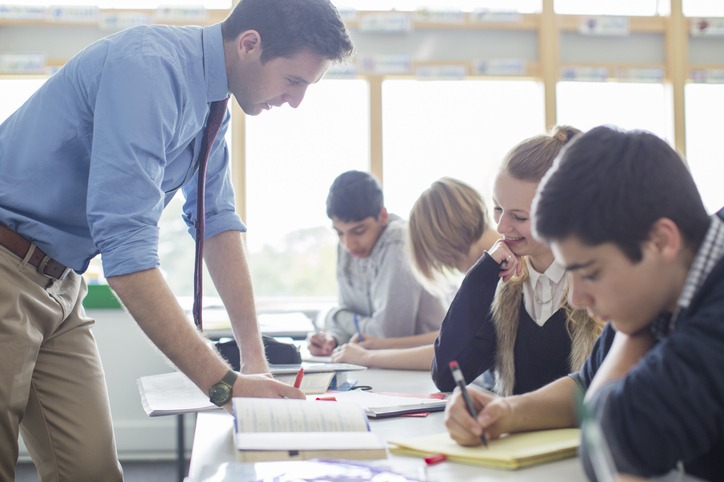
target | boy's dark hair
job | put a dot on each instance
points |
(611, 185)
(288, 26)
(354, 196)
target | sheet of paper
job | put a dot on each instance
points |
(312, 383)
(379, 404)
(172, 393)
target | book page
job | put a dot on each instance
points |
(272, 415)
(312, 383)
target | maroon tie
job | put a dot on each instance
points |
(216, 116)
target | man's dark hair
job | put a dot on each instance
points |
(354, 196)
(611, 185)
(287, 27)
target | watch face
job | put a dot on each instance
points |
(220, 394)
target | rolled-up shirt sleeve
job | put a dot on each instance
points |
(132, 126)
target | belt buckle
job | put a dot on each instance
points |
(44, 264)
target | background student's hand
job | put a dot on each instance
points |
(510, 264)
(350, 353)
(368, 341)
(321, 343)
(493, 415)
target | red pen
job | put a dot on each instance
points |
(298, 380)
(431, 460)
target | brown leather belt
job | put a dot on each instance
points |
(19, 246)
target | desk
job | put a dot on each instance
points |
(213, 457)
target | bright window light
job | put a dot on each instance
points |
(293, 155)
(459, 129)
(628, 105)
(703, 141)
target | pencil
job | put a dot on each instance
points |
(460, 381)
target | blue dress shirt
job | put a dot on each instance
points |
(88, 163)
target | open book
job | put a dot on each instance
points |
(276, 429)
(510, 452)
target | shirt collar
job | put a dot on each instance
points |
(217, 84)
(710, 253)
(554, 273)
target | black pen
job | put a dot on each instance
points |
(460, 380)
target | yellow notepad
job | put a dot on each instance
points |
(510, 452)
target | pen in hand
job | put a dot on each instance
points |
(298, 379)
(460, 381)
(356, 327)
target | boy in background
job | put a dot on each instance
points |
(378, 292)
(623, 215)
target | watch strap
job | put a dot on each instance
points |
(229, 378)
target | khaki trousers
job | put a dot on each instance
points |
(52, 385)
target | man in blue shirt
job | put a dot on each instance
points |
(88, 164)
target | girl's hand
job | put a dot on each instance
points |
(510, 264)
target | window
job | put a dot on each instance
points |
(588, 104)
(701, 8)
(140, 4)
(293, 155)
(15, 91)
(526, 6)
(458, 129)
(703, 141)
(610, 7)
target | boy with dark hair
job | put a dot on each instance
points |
(623, 215)
(378, 293)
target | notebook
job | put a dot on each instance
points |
(383, 405)
(276, 429)
(510, 452)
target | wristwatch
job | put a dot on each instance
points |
(220, 393)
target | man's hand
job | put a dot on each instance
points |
(493, 416)
(262, 386)
(321, 343)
